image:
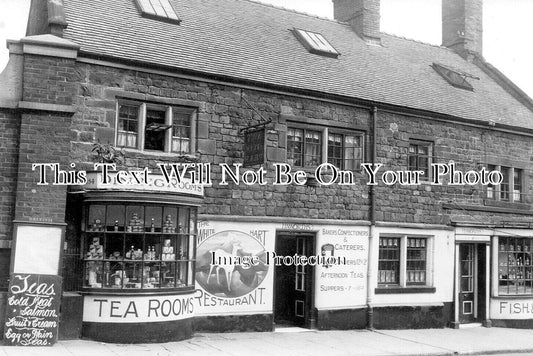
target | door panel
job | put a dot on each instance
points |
(293, 284)
(467, 283)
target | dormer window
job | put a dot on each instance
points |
(160, 9)
(454, 77)
(316, 43)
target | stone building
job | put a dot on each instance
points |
(232, 82)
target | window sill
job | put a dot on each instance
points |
(518, 208)
(506, 204)
(405, 290)
(517, 296)
(188, 157)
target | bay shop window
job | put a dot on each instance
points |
(515, 266)
(132, 246)
(403, 261)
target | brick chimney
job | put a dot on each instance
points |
(462, 27)
(362, 15)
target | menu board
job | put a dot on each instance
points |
(32, 313)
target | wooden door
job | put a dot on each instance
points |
(467, 283)
(293, 283)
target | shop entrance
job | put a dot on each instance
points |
(293, 298)
(472, 286)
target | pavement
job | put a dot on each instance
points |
(471, 341)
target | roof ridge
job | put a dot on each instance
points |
(415, 40)
(258, 2)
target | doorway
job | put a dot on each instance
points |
(472, 287)
(293, 284)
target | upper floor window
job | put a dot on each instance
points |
(511, 187)
(345, 150)
(420, 157)
(311, 147)
(304, 147)
(155, 127)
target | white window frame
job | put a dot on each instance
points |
(169, 115)
(496, 190)
(403, 261)
(431, 153)
(325, 135)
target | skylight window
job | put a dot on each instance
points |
(454, 77)
(161, 9)
(316, 43)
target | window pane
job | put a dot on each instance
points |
(504, 186)
(389, 260)
(127, 126)
(491, 189)
(517, 189)
(352, 152)
(335, 150)
(181, 131)
(154, 134)
(295, 146)
(138, 246)
(419, 158)
(515, 270)
(416, 261)
(313, 148)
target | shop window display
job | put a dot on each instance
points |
(515, 268)
(136, 247)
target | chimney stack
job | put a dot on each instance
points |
(462, 26)
(362, 15)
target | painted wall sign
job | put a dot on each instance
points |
(254, 147)
(137, 309)
(32, 312)
(343, 285)
(231, 274)
(511, 309)
(156, 183)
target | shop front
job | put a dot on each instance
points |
(511, 303)
(138, 248)
(305, 274)
(472, 276)
(494, 277)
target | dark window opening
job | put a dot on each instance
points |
(454, 77)
(154, 138)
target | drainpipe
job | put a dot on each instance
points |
(371, 237)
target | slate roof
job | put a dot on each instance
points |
(252, 41)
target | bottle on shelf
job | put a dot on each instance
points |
(116, 225)
(152, 226)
